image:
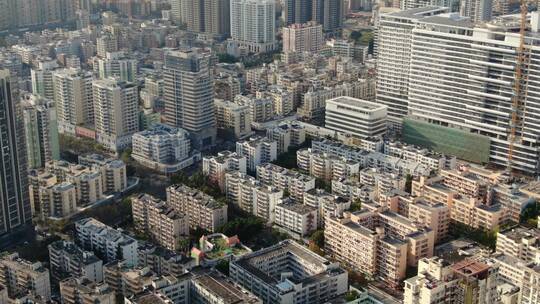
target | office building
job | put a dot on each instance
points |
(189, 95)
(108, 243)
(157, 219)
(203, 211)
(289, 273)
(305, 37)
(163, 148)
(253, 25)
(257, 151)
(116, 113)
(21, 277)
(73, 99)
(41, 131)
(14, 202)
(360, 118)
(68, 260)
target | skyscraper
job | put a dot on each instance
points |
(253, 24)
(329, 13)
(297, 11)
(14, 201)
(41, 130)
(189, 95)
(115, 112)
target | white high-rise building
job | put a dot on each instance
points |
(117, 64)
(450, 74)
(253, 24)
(73, 98)
(116, 113)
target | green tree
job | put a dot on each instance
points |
(408, 183)
(318, 238)
(223, 267)
(355, 205)
(356, 35)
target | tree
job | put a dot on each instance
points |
(223, 267)
(318, 238)
(355, 35)
(351, 296)
(246, 228)
(355, 205)
(408, 183)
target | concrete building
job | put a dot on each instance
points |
(41, 131)
(116, 113)
(329, 13)
(251, 195)
(215, 288)
(163, 148)
(111, 244)
(360, 118)
(73, 98)
(297, 11)
(14, 201)
(477, 10)
(215, 167)
(297, 219)
(260, 108)
(288, 272)
(57, 201)
(521, 243)
(467, 280)
(113, 171)
(294, 182)
(233, 118)
(81, 290)
(157, 219)
(203, 211)
(189, 95)
(68, 260)
(257, 151)
(326, 167)
(287, 134)
(21, 277)
(117, 65)
(282, 99)
(306, 37)
(42, 79)
(253, 25)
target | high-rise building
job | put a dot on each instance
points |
(176, 11)
(307, 37)
(118, 65)
(253, 24)
(477, 10)
(14, 200)
(189, 95)
(297, 11)
(41, 131)
(42, 83)
(217, 17)
(329, 13)
(116, 113)
(73, 99)
(393, 58)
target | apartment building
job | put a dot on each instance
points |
(156, 218)
(21, 277)
(163, 261)
(203, 211)
(519, 242)
(303, 37)
(113, 171)
(438, 280)
(227, 87)
(110, 244)
(346, 48)
(163, 148)
(252, 196)
(360, 118)
(287, 134)
(253, 26)
(57, 201)
(261, 109)
(381, 181)
(288, 272)
(296, 218)
(326, 204)
(213, 287)
(81, 290)
(282, 99)
(116, 65)
(296, 183)
(231, 116)
(435, 216)
(215, 167)
(353, 190)
(257, 151)
(66, 259)
(324, 166)
(522, 277)
(434, 161)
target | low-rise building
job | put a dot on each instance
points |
(24, 278)
(68, 260)
(260, 109)
(156, 218)
(203, 210)
(257, 151)
(294, 182)
(108, 243)
(287, 134)
(289, 273)
(215, 167)
(296, 218)
(326, 167)
(81, 290)
(234, 118)
(360, 118)
(163, 148)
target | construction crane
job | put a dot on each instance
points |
(520, 89)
